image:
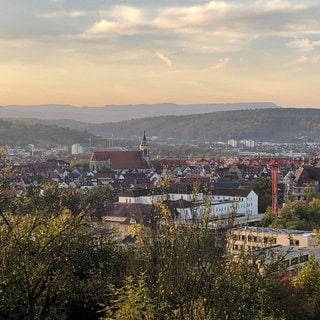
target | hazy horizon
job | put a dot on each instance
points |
(101, 53)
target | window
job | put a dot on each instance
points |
(272, 240)
(294, 261)
(294, 242)
(304, 258)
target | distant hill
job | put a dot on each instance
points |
(275, 124)
(115, 113)
(21, 133)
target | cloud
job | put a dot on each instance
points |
(297, 63)
(275, 5)
(221, 64)
(102, 27)
(214, 26)
(185, 27)
(303, 44)
(16, 43)
(164, 58)
(65, 14)
(119, 20)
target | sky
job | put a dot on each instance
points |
(95, 52)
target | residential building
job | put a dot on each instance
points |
(292, 247)
(76, 149)
(251, 238)
(305, 176)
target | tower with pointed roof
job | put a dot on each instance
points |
(144, 147)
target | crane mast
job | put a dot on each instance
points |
(274, 178)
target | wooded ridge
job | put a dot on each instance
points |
(274, 124)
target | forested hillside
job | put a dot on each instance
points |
(275, 124)
(19, 132)
(263, 124)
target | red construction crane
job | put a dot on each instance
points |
(274, 164)
(274, 178)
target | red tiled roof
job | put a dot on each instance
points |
(121, 159)
(140, 212)
(307, 174)
(231, 192)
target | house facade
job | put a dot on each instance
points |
(304, 177)
(221, 203)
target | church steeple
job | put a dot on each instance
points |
(144, 147)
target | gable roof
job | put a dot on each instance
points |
(306, 174)
(231, 192)
(124, 212)
(121, 159)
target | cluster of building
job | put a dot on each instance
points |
(193, 188)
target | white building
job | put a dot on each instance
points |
(233, 143)
(248, 143)
(222, 202)
(76, 149)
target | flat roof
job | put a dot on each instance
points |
(276, 231)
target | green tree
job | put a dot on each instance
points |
(97, 198)
(132, 301)
(268, 218)
(262, 186)
(189, 274)
(33, 249)
(51, 199)
(54, 264)
(296, 215)
(308, 279)
(83, 164)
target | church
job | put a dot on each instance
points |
(119, 160)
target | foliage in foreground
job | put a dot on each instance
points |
(54, 265)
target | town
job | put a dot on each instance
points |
(125, 189)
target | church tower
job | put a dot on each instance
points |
(144, 147)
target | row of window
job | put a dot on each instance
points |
(296, 260)
(230, 198)
(251, 238)
(230, 208)
(267, 240)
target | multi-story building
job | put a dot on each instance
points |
(222, 202)
(258, 237)
(292, 247)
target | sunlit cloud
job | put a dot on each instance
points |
(164, 58)
(65, 14)
(221, 64)
(120, 20)
(298, 62)
(228, 26)
(103, 26)
(303, 44)
(274, 5)
(191, 40)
